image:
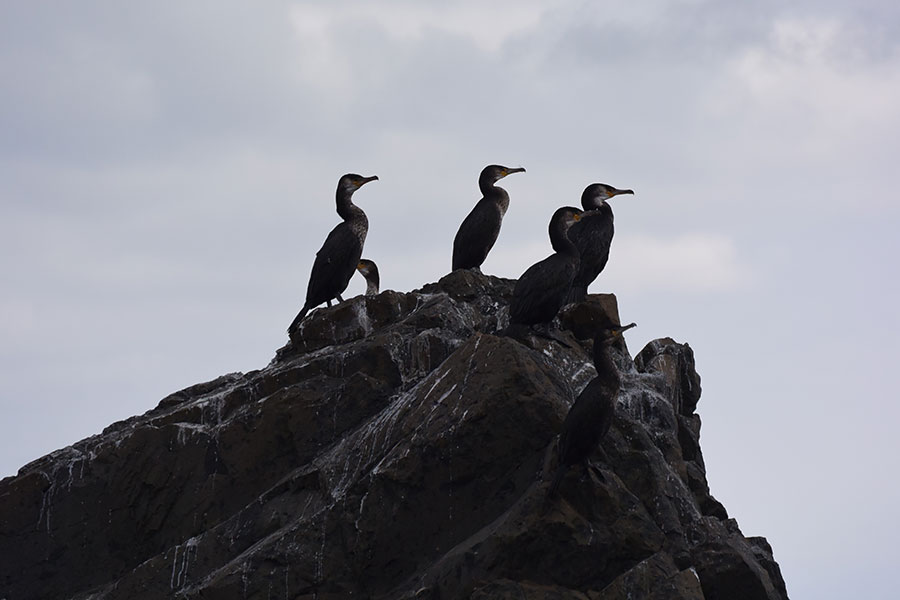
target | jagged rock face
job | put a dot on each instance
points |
(401, 449)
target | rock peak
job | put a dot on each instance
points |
(397, 448)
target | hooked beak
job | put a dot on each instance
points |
(366, 180)
(620, 192)
(514, 170)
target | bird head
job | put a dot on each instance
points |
(612, 333)
(365, 266)
(352, 182)
(493, 173)
(567, 215)
(596, 194)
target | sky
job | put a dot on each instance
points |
(167, 173)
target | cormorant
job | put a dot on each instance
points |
(369, 270)
(592, 412)
(542, 289)
(479, 230)
(337, 260)
(593, 235)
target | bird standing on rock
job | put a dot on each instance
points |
(543, 288)
(593, 236)
(479, 230)
(339, 256)
(592, 412)
(369, 270)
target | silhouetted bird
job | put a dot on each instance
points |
(593, 236)
(337, 260)
(369, 270)
(592, 412)
(479, 230)
(543, 288)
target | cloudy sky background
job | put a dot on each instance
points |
(167, 173)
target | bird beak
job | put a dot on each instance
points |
(618, 331)
(366, 180)
(515, 170)
(619, 192)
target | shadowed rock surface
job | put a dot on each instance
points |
(401, 449)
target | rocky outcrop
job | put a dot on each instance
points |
(399, 448)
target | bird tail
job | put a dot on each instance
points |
(296, 322)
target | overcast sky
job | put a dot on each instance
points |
(167, 173)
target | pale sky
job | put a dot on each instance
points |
(167, 173)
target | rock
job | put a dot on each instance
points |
(583, 318)
(675, 362)
(656, 578)
(397, 447)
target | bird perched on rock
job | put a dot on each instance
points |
(479, 230)
(592, 412)
(339, 256)
(543, 288)
(593, 236)
(369, 270)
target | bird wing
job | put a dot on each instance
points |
(476, 235)
(592, 235)
(541, 290)
(334, 265)
(587, 422)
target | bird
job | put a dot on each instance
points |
(339, 256)
(543, 288)
(593, 235)
(479, 230)
(592, 413)
(369, 270)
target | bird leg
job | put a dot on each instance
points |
(339, 298)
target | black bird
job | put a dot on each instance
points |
(337, 260)
(593, 235)
(592, 412)
(369, 270)
(543, 288)
(479, 230)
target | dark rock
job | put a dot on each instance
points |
(656, 578)
(595, 311)
(397, 447)
(675, 362)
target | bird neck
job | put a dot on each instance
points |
(598, 207)
(495, 193)
(371, 287)
(603, 362)
(559, 239)
(351, 213)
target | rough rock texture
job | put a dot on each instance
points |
(402, 449)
